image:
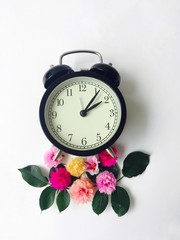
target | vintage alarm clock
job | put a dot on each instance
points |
(82, 112)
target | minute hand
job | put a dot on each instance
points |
(91, 100)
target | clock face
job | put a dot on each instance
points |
(82, 115)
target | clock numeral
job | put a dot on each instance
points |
(54, 114)
(112, 113)
(84, 141)
(82, 88)
(106, 99)
(60, 102)
(98, 137)
(58, 128)
(69, 92)
(107, 126)
(70, 135)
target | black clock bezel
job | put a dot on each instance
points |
(99, 149)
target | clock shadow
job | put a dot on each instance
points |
(137, 111)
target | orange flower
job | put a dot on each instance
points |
(82, 190)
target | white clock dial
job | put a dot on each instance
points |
(65, 121)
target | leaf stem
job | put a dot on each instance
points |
(120, 178)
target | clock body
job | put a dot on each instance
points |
(80, 134)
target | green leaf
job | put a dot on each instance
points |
(114, 169)
(120, 201)
(47, 198)
(32, 174)
(134, 164)
(100, 202)
(63, 200)
(92, 177)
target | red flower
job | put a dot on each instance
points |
(106, 159)
(60, 179)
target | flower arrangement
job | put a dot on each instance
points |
(94, 179)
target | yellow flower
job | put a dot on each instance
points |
(76, 167)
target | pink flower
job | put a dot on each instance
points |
(106, 182)
(106, 159)
(82, 190)
(92, 165)
(49, 157)
(60, 179)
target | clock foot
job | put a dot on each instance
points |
(110, 151)
(57, 155)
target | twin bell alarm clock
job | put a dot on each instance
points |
(82, 112)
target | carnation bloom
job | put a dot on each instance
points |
(91, 164)
(106, 159)
(106, 182)
(82, 190)
(49, 157)
(76, 167)
(60, 179)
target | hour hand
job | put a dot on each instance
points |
(93, 106)
(83, 113)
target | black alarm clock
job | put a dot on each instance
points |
(82, 112)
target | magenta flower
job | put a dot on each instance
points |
(106, 182)
(91, 165)
(60, 179)
(49, 157)
(106, 159)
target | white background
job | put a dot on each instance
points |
(142, 40)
